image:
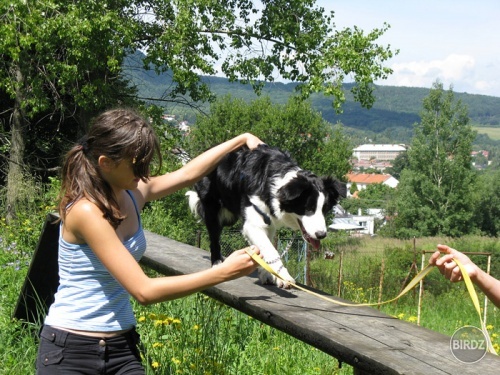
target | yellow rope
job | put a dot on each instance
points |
(410, 286)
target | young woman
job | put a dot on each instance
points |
(90, 327)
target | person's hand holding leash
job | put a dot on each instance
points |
(449, 268)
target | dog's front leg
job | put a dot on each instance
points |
(260, 237)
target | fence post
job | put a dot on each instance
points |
(421, 290)
(381, 282)
(340, 272)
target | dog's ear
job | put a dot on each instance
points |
(293, 190)
(334, 188)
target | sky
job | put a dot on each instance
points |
(456, 42)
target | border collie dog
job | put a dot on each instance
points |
(267, 190)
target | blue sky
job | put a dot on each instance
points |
(457, 42)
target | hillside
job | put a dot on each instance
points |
(395, 107)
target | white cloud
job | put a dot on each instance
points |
(450, 70)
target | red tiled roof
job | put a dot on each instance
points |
(367, 178)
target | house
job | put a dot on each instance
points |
(378, 151)
(362, 224)
(362, 180)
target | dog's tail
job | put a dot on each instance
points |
(194, 204)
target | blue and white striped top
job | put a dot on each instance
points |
(88, 297)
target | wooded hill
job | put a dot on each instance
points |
(395, 107)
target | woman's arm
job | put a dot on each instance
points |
(447, 266)
(85, 221)
(189, 174)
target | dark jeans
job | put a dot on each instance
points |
(62, 352)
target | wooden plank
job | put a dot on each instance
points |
(363, 337)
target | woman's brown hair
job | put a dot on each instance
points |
(118, 134)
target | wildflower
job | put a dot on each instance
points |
(401, 316)
(157, 345)
(152, 316)
(412, 319)
(196, 327)
(489, 327)
(141, 319)
(176, 361)
(496, 347)
(155, 364)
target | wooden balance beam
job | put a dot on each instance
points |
(363, 337)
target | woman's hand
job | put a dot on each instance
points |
(252, 141)
(239, 263)
(447, 265)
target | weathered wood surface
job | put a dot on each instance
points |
(372, 342)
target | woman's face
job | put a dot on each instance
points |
(121, 175)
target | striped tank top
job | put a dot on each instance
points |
(88, 297)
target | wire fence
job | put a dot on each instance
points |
(347, 271)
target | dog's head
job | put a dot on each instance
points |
(308, 198)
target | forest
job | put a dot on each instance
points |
(396, 109)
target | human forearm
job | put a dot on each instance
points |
(168, 288)
(238, 264)
(488, 285)
(206, 162)
(197, 168)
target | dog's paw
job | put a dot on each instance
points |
(269, 279)
(288, 279)
(217, 263)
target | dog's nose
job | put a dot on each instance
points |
(320, 235)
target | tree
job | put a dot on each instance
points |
(434, 193)
(62, 59)
(373, 196)
(58, 60)
(486, 195)
(294, 127)
(399, 163)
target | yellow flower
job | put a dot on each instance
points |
(141, 319)
(196, 327)
(152, 316)
(412, 319)
(401, 316)
(489, 327)
(155, 364)
(276, 348)
(176, 361)
(157, 345)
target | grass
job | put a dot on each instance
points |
(197, 335)
(493, 133)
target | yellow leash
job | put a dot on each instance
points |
(410, 286)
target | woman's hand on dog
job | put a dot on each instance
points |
(239, 263)
(252, 141)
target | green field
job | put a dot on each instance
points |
(493, 133)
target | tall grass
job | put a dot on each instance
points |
(197, 335)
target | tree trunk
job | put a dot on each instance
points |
(16, 165)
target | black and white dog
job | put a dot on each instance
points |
(267, 190)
